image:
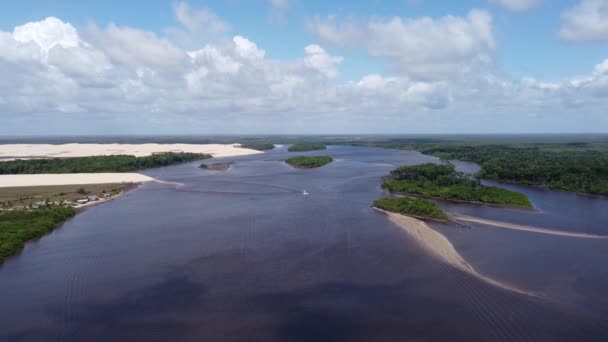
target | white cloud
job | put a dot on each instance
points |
(319, 59)
(517, 5)
(132, 46)
(588, 21)
(197, 19)
(424, 47)
(124, 77)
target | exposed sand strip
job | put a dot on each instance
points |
(441, 248)
(530, 229)
(14, 151)
(7, 181)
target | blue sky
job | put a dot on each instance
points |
(355, 66)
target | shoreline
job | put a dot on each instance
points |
(49, 151)
(50, 179)
(439, 247)
(530, 229)
(498, 205)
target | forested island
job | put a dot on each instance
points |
(17, 227)
(304, 147)
(309, 162)
(442, 181)
(97, 164)
(570, 169)
(258, 146)
(217, 166)
(412, 207)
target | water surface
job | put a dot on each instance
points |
(242, 255)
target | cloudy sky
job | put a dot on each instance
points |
(303, 66)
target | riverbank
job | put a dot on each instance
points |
(9, 181)
(38, 151)
(442, 249)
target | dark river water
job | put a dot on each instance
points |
(243, 255)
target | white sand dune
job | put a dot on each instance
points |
(530, 229)
(7, 181)
(139, 150)
(442, 249)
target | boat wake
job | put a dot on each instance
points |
(530, 229)
(442, 249)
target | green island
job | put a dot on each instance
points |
(442, 181)
(309, 162)
(570, 169)
(258, 146)
(17, 227)
(96, 164)
(217, 166)
(568, 162)
(304, 147)
(412, 207)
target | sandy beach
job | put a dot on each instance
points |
(7, 181)
(13, 151)
(529, 229)
(441, 248)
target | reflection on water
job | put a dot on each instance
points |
(242, 255)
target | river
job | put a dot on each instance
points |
(243, 255)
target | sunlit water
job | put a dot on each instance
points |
(242, 255)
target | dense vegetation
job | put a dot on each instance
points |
(411, 206)
(258, 146)
(443, 181)
(309, 162)
(17, 227)
(117, 163)
(564, 169)
(303, 147)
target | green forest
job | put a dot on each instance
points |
(309, 162)
(17, 227)
(571, 169)
(303, 147)
(411, 206)
(442, 181)
(117, 163)
(258, 146)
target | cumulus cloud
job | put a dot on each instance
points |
(517, 5)
(424, 47)
(117, 77)
(588, 21)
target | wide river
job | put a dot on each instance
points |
(243, 255)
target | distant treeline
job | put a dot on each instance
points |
(117, 163)
(579, 170)
(442, 181)
(17, 227)
(411, 206)
(309, 162)
(258, 146)
(303, 147)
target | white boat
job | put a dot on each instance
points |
(304, 192)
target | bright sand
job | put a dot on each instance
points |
(85, 150)
(7, 181)
(138, 150)
(441, 248)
